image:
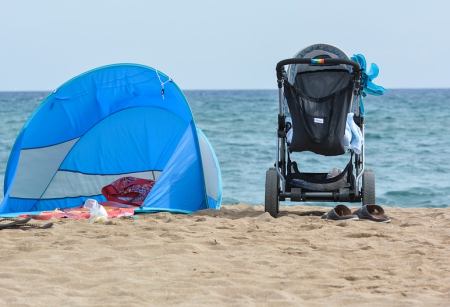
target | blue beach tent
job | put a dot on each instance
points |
(113, 121)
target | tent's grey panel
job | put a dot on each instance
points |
(209, 168)
(70, 184)
(156, 175)
(41, 163)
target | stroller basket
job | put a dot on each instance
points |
(306, 182)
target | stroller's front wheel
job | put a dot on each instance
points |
(272, 188)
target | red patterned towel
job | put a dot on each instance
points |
(128, 190)
(114, 210)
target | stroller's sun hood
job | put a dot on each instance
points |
(317, 51)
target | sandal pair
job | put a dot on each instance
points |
(367, 212)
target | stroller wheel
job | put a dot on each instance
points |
(272, 187)
(368, 188)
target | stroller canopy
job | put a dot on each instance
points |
(111, 122)
(317, 51)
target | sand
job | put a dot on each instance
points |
(238, 256)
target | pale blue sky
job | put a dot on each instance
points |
(219, 44)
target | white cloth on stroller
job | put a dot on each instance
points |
(353, 138)
(290, 131)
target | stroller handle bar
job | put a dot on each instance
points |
(319, 62)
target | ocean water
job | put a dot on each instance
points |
(407, 141)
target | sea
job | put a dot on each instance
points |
(407, 141)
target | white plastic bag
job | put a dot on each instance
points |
(97, 211)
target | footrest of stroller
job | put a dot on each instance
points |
(319, 182)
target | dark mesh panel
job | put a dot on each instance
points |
(319, 84)
(318, 104)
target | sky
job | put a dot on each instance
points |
(219, 44)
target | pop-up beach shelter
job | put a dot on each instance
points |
(111, 122)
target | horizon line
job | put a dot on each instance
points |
(235, 89)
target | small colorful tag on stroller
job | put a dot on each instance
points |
(318, 120)
(317, 61)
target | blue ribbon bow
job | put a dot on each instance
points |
(367, 76)
(368, 87)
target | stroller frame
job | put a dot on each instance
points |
(277, 188)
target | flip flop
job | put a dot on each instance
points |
(32, 225)
(372, 212)
(340, 212)
(12, 222)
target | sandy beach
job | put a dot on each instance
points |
(238, 256)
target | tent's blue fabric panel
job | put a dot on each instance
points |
(214, 203)
(132, 140)
(82, 102)
(181, 184)
(10, 204)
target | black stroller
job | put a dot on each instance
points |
(317, 92)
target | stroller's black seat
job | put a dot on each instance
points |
(319, 99)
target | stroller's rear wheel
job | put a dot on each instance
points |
(368, 188)
(272, 187)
